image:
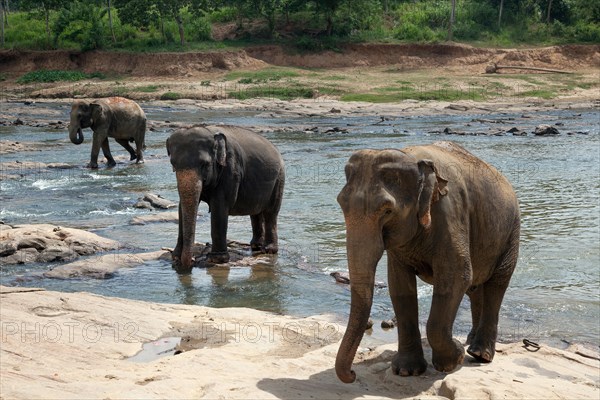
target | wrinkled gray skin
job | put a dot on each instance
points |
(442, 215)
(236, 172)
(114, 117)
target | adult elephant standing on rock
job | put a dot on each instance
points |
(114, 117)
(445, 216)
(236, 172)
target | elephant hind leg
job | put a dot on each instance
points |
(127, 146)
(106, 151)
(258, 232)
(483, 342)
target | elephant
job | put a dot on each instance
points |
(443, 215)
(236, 172)
(114, 117)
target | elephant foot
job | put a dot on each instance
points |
(271, 248)
(482, 350)
(139, 161)
(257, 246)
(92, 165)
(409, 364)
(111, 163)
(450, 358)
(132, 157)
(218, 258)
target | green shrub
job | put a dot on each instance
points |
(586, 32)
(411, 32)
(44, 75)
(224, 14)
(170, 96)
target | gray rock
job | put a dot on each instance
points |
(159, 202)
(24, 256)
(143, 204)
(545, 130)
(57, 253)
(6, 249)
(38, 243)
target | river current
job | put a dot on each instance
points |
(554, 294)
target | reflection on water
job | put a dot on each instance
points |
(554, 293)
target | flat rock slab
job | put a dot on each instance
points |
(23, 244)
(168, 216)
(71, 345)
(102, 267)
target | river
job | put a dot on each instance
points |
(554, 294)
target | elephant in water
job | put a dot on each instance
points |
(445, 216)
(114, 117)
(236, 172)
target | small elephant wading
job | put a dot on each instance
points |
(236, 172)
(114, 117)
(445, 216)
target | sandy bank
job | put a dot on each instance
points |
(64, 345)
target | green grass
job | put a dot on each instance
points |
(264, 75)
(282, 93)
(44, 75)
(147, 89)
(171, 96)
(389, 95)
(541, 93)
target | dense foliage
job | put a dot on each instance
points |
(310, 25)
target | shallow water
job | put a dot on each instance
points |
(554, 293)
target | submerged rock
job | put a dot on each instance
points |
(169, 216)
(545, 130)
(102, 267)
(153, 201)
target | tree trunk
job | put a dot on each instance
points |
(180, 26)
(47, 12)
(110, 23)
(2, 23)
(451, 25)
(549, 9)
(500, 13)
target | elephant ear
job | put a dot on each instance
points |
(96, 113)
(220, 149)
(432, 187)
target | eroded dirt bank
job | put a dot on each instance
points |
(409, 56)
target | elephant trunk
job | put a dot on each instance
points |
(363, 256)
(189, 187)
(75, 133)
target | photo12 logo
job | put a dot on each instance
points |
(68, 332)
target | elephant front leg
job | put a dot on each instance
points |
(449, 288)
(97, 143)
(218, 230)
(403, 291)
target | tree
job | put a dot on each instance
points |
(45, 7)
(110, 22)
(452, 17)
(81, 22)
(138, 13)
(172, 9)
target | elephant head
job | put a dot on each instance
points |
(83, 115)
(386, 203)
(198, 161)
